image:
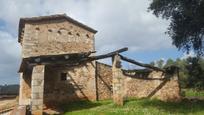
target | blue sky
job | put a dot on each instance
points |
(120, 23)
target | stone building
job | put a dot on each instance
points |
(58, 65)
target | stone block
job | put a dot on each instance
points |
(37, 82)
(37, 76)
(38, 69)
(37, 95)
(37, 89)
(37, 102)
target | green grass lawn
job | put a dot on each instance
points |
(193, 93)
(137, 107)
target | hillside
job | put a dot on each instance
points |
(9, 89)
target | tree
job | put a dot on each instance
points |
(196, 73)
(186, 22)
(152, 63)
(169, 62)
(160, 63)
(183, 72)
(191, 72)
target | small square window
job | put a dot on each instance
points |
(70, 33)
(87, 35)
(63, 76)
(78, 34)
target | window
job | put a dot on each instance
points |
(59, 32)
(37, 28)
(63, 76)
(49, 30)
(78, 34)
(87, 35)
(70, 33)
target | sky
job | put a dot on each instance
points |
(120, 23)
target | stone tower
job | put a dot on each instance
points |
(53, 35)
(50, 36)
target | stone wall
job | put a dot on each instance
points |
(78, 85)
(118, 81)
(37, 88)
(153, 85)
(149, 85)
(103, 81)
(84, 82)
(25, 87)
(55, 37)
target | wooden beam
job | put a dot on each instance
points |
(70, 59)
(111, 54)
(138, 70)
(141, 64)
(58, 59)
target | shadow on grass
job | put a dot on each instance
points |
(79, 105)
(185, 106)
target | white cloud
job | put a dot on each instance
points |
(120, 23)
(9, 46)
(9, 58)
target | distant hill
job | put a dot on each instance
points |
(9, 89)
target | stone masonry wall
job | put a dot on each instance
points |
(25, 88)
(37, 89)
(55, 37)
(79, 84)
(103, 81)
(153, 87)
(118, 81)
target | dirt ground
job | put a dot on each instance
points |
(7, 103)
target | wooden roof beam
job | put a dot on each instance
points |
(111, 54)
(141, 64)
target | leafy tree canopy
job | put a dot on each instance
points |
(191, 71)
(186, 22)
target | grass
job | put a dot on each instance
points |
(193, 93)
(135, 107)
(138, 107)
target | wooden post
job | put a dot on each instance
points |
(37, 90)
(118, 81)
